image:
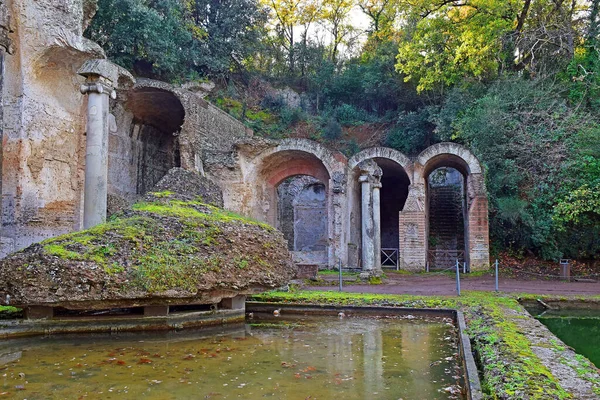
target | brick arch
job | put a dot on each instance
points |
(292, 157)
(382, 152)
(333, 162)
(448, 154)
(286, 163)
(476, 235)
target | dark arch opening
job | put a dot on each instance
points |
(394, 191)
(145, 151)
(446, 211)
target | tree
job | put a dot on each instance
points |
(149, 38)
(454, 40)
(382, 14)
(172, 40)
(336, 17)
(232, 30)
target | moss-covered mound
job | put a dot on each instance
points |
(165, 250)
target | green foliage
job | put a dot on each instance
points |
(333, 130)
(175, 40)
(412, 133)
(456, 40)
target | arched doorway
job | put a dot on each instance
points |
(295, 197)
(446, 211)
(456, 220)
(378, 189)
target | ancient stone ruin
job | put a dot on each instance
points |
(80, 135)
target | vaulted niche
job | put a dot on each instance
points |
(295, 193)
(146, 146)
(302, 213)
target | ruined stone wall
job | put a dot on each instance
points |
(138, 158)
(43, 121)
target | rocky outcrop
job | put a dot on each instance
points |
(191, 186)
(166, 249)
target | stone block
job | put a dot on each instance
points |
(156, 311)
(307, 271)
(39, 312)
(234, 303)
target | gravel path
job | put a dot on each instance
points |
(438, 284)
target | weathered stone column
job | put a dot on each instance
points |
(99, 86)
(368, 244)
(377, 225)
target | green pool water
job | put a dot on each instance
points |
(579, 329)
(315, 358)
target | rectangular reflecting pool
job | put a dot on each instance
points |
(578, 328)
(295, 357)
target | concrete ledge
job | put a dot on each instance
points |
(129, 323)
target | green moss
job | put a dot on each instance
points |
(157, 263)
(163, 194)
(9, 309)
(187, 210)
(241, 262)
(60, 251)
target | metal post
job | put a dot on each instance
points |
(340, 268)
(464, 267)
(458, 277)
(496, 274)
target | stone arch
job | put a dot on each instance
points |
(333, 162)
(451, 154)
(382, 152)
(473, 198)
(394, 184)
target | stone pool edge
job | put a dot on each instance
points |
(111, 324)
(474, 391)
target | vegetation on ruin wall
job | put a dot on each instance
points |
(510, 368)
(166, 253)
(516, 81)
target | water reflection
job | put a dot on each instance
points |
(323, 358)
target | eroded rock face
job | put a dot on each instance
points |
(190, 185)
(164, 250)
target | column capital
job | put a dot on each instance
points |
(100, 86)
(364, 177)
(106, 73)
